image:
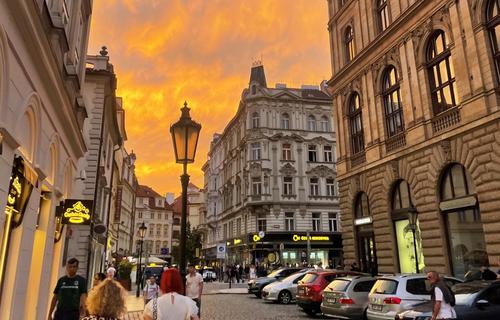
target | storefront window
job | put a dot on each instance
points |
(463, 221)
(409, 245)
(367, 253)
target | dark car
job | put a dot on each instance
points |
(154, 271)
(310, 288)
(256, 286)
(474, 300)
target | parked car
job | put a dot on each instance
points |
(209, 274)
(256, 286)
(310, 288)
(347, 297)
(393, 294)
(284, 291)
(474, 300)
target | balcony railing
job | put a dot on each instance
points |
(446, 119)
(395, 142)
(358, 159)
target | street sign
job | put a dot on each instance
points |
(221, 250)
(262, 234)
(164, 251)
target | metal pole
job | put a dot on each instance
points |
(184, 182)
(138, 277)
(415, 248)
(308, 248)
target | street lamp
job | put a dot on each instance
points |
(412, 224)
(185, 133)
(138, 278)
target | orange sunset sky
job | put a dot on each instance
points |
(167, 51)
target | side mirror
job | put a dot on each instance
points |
(482, 303)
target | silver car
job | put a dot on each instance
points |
(393, 294)
(284, 291)
(347, 297)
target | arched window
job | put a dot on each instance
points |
(441, 73)
(255, 120)
(356, 124)
(365, 237)
(392, 102)
(458, 203)
(311, 123)
(493, 23)
(408, 237)
(324, 124)
(285, 121)
(383, 14)
(349, 44)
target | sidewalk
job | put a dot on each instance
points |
(135, 306)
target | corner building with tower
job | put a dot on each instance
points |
(416, 106)
(272, 170)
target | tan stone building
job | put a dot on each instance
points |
(415, 95)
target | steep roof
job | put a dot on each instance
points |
(145, 191)
(257, 75)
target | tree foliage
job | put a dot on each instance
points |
(193, 241)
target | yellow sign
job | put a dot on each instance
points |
(77, 212)
(297, 237)
(256, 238)
(236, 241)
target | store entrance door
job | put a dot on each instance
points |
(367, 253)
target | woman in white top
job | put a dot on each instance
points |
(172, 305)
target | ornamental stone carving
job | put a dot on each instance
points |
(446, 148)
(288, 170)
(255, 170)
(321, 171)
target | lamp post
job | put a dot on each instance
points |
(138, 278)
(185, 133)
(412, 219)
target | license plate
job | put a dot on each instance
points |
(376, 307)
(331, 300)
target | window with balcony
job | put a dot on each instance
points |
(316, 221)
(286, 151)
(287, 186)
(324, 124)
(289, 221)
(327, 153)
(356, 124)
(330, 187)
(441, 72)
(256, 186)
(333, 222)
(383, 14)
(311, 123)
(255, 120)
(312, 155)
(314, 186)
(285, 121)
(349, 44)
(493, 23)
(392, 102)
(256, 154)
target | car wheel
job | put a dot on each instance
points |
(284, 297)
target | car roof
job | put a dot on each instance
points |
(356, 277)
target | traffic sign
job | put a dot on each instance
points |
(221, 250)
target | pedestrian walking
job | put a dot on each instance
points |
(442, 298)
(172, 305)
(194, 286)
(240, 272)
(70, 294)
(252, 272)
(151, 290)
(106, 301)
(237, 273)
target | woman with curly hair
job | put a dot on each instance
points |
(106, 301)
(172, 305)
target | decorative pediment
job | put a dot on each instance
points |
(286, 95)
(255, 134)
(281, 137)
(288, 170)
(321, 171)
(321, 140)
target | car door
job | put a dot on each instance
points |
(293, 286)
(482, 310)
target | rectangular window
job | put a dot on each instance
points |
(231, 229)
(287, 151)
(238, 227)
(225, 231)
(165, 230)
(316, 221)
(314, 186)
(328, 154)
(151, 229)
(152, 215)
(333, 223)
(256, 186)
(261, 223)
(256, 155)
(330, 187)
(159, 215)
(158, 230)
(287, 186)
(312, 157)
(289, 221)
(285, 123)
(140, 214)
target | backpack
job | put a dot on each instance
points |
(448, 295)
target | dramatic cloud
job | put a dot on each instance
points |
(201, 51)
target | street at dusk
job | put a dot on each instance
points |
(264, 159)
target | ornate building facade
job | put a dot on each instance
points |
(272, 171)
(416, 105)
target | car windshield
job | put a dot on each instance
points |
(385, 286)
(339, 285)
(275, 273)
(309, 278)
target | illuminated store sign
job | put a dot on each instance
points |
(362, 221)
(77, 212)
(293, 237)
(297, 237)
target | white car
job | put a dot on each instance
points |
(209, 274)
(284, 291)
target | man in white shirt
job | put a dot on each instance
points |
(194, 286)
(442, 298)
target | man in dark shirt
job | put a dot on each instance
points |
(69, 295)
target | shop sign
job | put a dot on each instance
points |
(362, 221)
(282, 237)
(77, 212)
(118, 202)
(297, 238)
(19, 192)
